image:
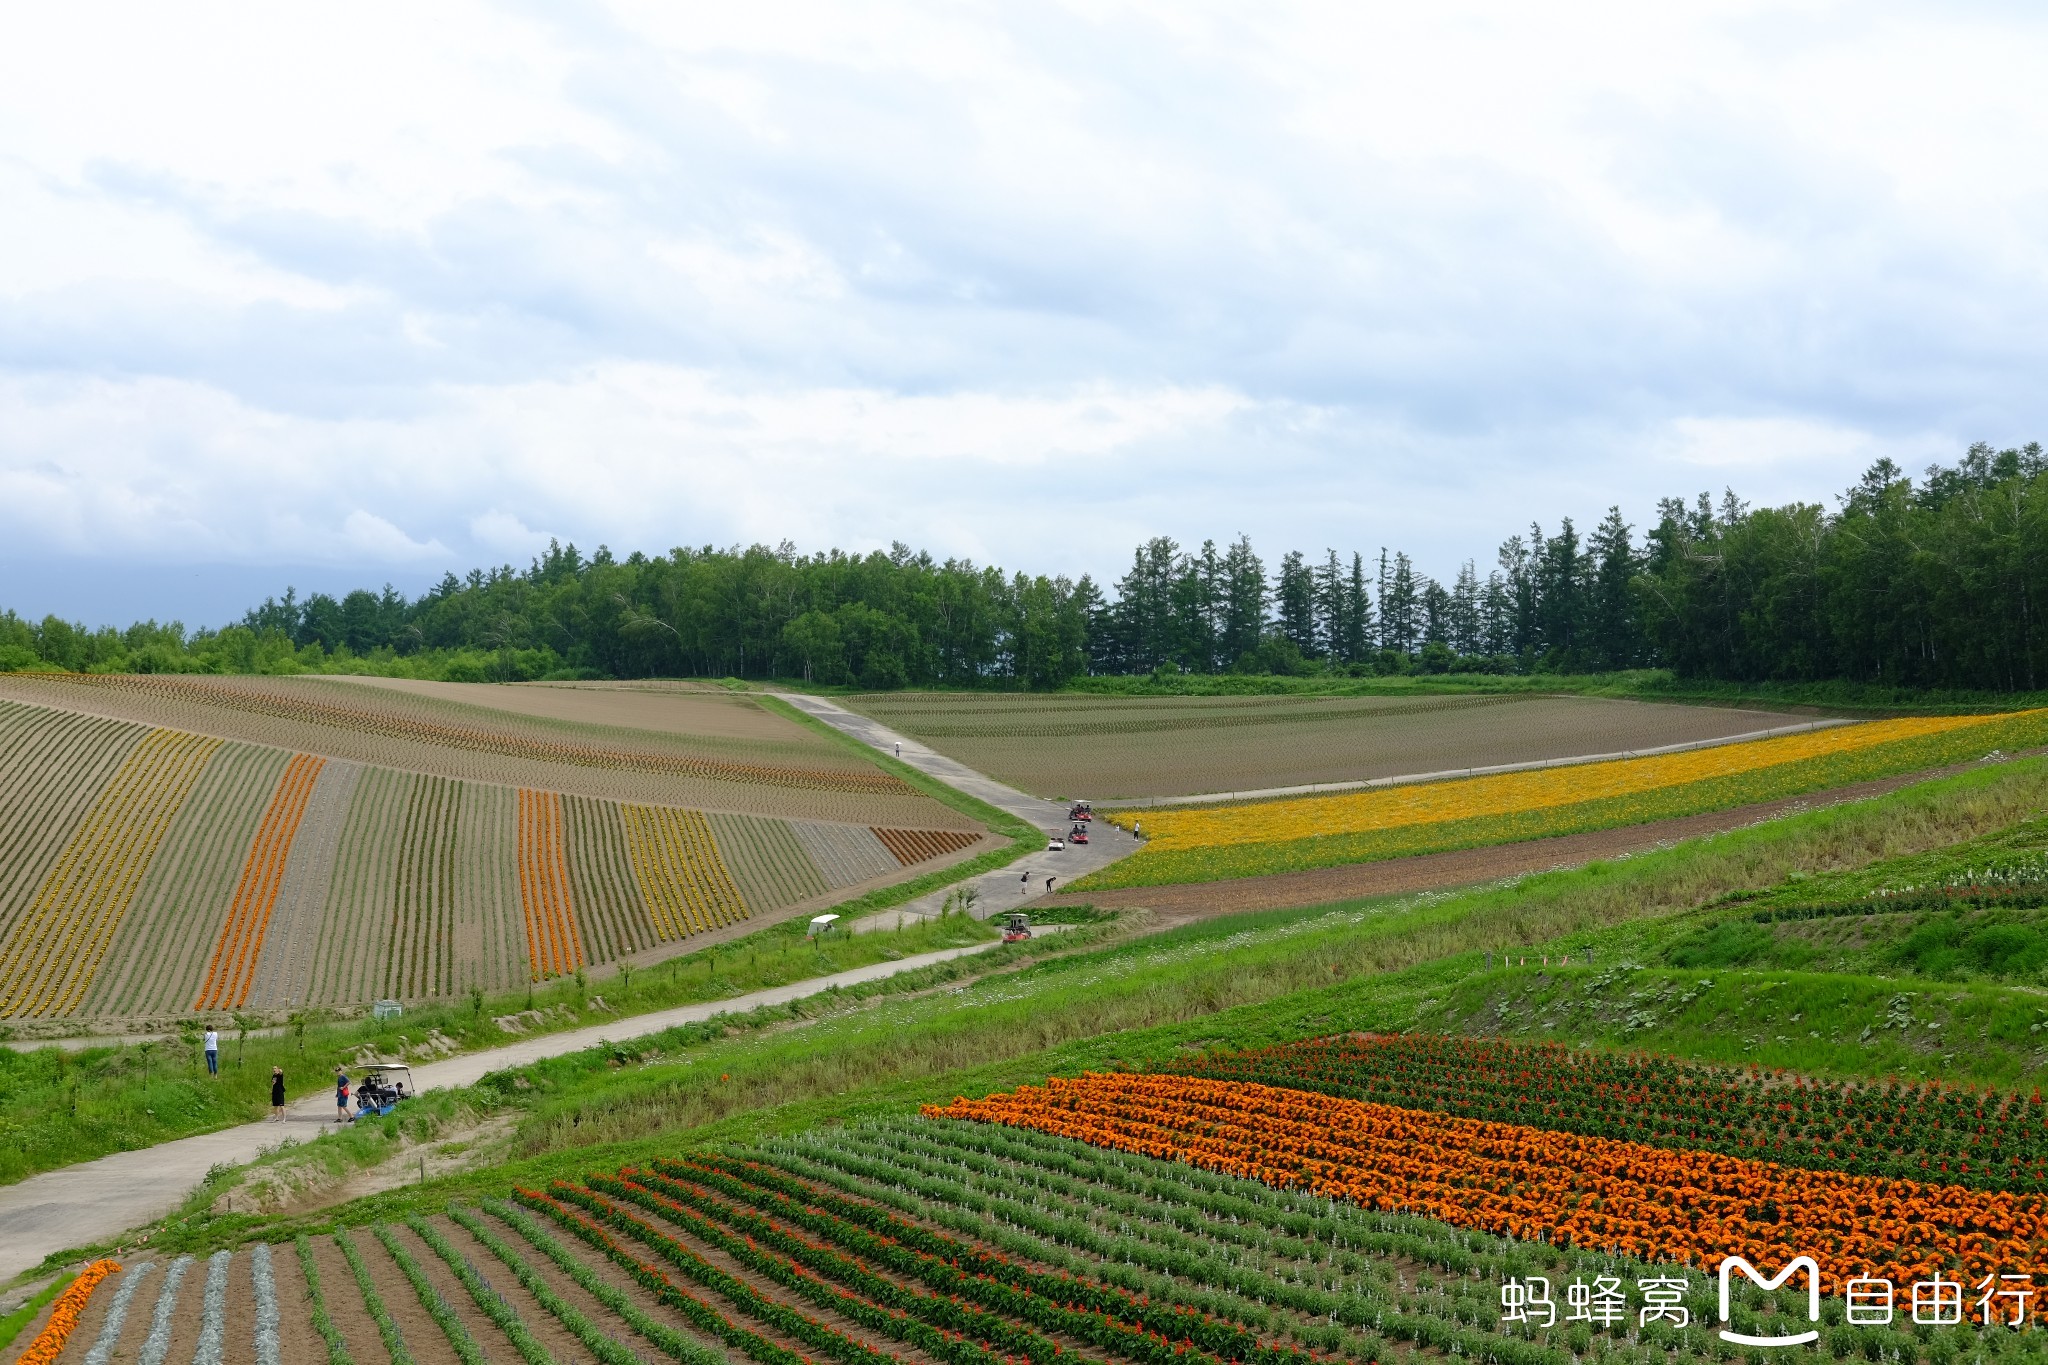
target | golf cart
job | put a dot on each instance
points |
(1055, 844)
(1079, 835)
(384, 1084)
(1080, 811)
(1016, 928)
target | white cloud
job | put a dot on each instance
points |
(1021, 283)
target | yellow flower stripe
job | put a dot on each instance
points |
(682, 877)
(1171, 830)
(50, 957)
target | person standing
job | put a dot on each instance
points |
(340, 1095)
(212, 1051)
(277, 1094)
(899, 748)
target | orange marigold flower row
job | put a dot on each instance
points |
(49, 1343)
(1651, 1202)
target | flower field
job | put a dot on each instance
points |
(52, 951)
(1132, 748)
(1649, 1202)
(1212, 842)
(940, 1242)
(153, 872)
(1988, 1140)
(553, 946)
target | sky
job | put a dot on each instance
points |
(338, 297)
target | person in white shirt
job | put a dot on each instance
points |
(213, 1052)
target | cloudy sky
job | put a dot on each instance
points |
(353, 295)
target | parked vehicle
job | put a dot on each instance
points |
(384, 1086)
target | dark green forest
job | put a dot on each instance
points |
(1903, 583)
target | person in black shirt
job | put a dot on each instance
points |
(277, 1094)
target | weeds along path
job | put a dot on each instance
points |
(96, 1200)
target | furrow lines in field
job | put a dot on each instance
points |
(235, 954)
(390, 723)
(683, 880)
(553, 946)
(917, 845)
(347, 966)
(159, 952)
(844, 854)
(52, 766)
(55, 949)
(767, 863)
(611, 912)
(490, 947)
(282, 975)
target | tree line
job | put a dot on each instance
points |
(1933, 582)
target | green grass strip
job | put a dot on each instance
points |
(611, 1296)
(503, 1314)
(608, 1351)
(11, 1325)
(430, 1298)
(1162, 867)
(373, 1302)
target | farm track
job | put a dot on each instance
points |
(231, 973)
(53, 951)
(1129, 748)
(284, 967)
(159, 953)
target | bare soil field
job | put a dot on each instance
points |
(1466, 867)
(713, 712)
(802, 776)
(1117, 748)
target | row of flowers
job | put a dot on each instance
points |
(1115, 1319)
(1627, 1197)
(1928, 1132)
(63, 1321)
(1434, 802)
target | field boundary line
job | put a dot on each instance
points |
(1452, 774)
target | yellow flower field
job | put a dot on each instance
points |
(1170, 830)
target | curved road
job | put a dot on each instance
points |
(96, 1201)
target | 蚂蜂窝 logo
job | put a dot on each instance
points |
(1797, 1264)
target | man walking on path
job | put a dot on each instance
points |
(340, 1095)
(277, 1094)
(213, 1052)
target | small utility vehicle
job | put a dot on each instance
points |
(384, 1085)
(1016, 928)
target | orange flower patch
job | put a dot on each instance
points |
(1649, 1202)
(553, 945)
(49, 1343)
(233, 969)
